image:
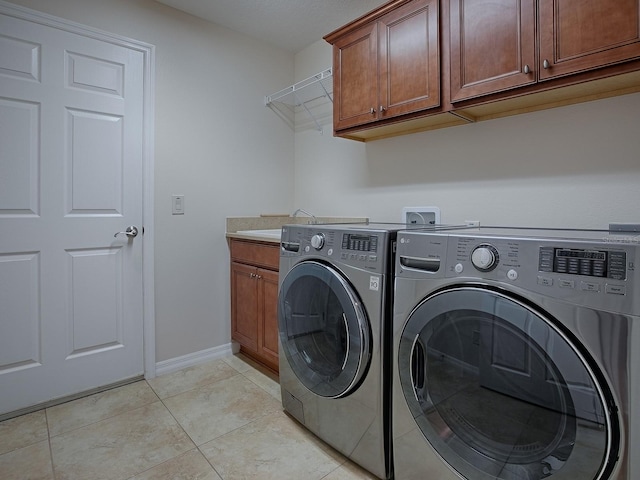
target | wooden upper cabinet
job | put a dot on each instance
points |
(388, 66)
(579, 35)
(492, 46)
(409, 59)
(414, 65)
(355, 72)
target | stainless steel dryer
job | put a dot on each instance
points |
(334, 313)
(516, 355)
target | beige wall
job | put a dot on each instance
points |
(215, 143)
(576, 166)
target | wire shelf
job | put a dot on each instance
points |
(305, 94)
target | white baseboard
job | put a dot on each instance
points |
(195, 358)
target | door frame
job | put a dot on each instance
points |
(148, 52)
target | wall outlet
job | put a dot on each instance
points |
(421, 215)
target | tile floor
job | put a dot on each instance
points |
(218, 421)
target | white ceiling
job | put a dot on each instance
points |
(291, 25)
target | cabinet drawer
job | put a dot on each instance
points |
(254, 253)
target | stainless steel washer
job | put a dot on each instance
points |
(516, 355)
(334, 313)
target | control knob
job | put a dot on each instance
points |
(485, 257)
(317, 241)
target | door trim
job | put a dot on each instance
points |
(148, 52)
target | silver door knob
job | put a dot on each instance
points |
(130, 232)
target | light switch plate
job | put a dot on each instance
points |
(177, 204)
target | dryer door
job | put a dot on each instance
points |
(502, 393)
(324, 331)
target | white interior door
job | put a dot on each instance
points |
(71, 176)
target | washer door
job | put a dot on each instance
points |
(324, 331)
(501, 393)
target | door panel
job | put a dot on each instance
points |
(20, 329)
(94, 163)
(96, 301)
(409, 59)
(356, 71)
(19, 137)
(268, 300)
(244, 305)
(71, 110)
(578, 35)
(491, 43)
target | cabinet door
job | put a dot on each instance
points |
(355, 72)
(409, 59)
(244, 306)
(268, 320)
(492, 46)
(578, 35)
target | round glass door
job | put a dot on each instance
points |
(324, 332)
(501, 393)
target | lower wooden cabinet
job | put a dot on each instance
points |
(254, 300)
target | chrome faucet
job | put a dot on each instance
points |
(313, 221)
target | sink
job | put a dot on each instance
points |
(272, 233)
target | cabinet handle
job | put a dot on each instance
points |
(382, 109)
(372, 111)
(527, 70)
(546, 64)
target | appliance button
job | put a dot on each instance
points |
(512, 274)
(373, 258)
(307, 248)
(459, 268)
(589, 286)
(574, 266)
(330, 252)
(362, 258)
(616, 289)
(546, 281)
(564, 283)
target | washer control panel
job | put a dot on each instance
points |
(360, 242)
(356, 247)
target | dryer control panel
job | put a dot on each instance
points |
(598, 272)
(582, 261)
